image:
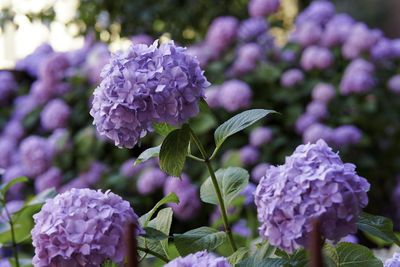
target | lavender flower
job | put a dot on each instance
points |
(260, 8)
(23, 105)
(59, 141)
(382, 50)
(93, 175)
(212, 96)
(76, 183)
(260, 136)
(313, 182)
(337, 30)
(14, 130)
(234, 95)
(252, 28)
(316, 57)
(292, 77)
(394, 261)
(11, 173)
(249, 155)
(221, 33)
(357, 77)
(248, 193)
(35, 155)
(42, 91)
(318, 11)
(323, 92)
(81, 227)
(317, 131)
(396, 48)
(361, 39)
(8, 149)
(189, 201)
(51, 178)
(55, 115)
(241, 228)
(259, 171)
(307, 34)
(350, 239)
(346, 134)
(141, 39)
(203, 53)
(53, 67)
(317, 109)
(144, 85)
(32, 62)
(129, 170)
(7, 86)
(150, 180)
(201, 258)
(394, 84)
(304, 121)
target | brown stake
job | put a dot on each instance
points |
(315, 244)
(130, 246)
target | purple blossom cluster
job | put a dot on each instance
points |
(357, 77)
(150, 180)
(55, 115)
(394, 261)
(313, 183)
(260, 8)
(201, 258)
(36, 155)
(7, 86)
(31, 63)
(146, 84)
(292, 77)
(81, 227)
(316, 57)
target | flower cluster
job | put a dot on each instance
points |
(55, 115)
(146, 84)
(36, 155)
(7, 86)
(81, 227)
(201, 258)
(313, 183)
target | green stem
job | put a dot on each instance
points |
(195, 158)
(217, 190)
(149, 251)
(14, 244)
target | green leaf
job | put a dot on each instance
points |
(42, 197)
(203, 106)
(4, 187)
(154, 234)
(270, 262)
(231, 182)
(330, 256)
(378, 226)
(147, 154)
(198, 239)
(171, 198)
(238, 123)
(238, 256)
(174, 150)
(163, 128)
(354, 255)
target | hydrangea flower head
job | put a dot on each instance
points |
(308, 33)
(141, 39)
(346, 134)
(250, 29)
(323, 92)
(8, 150)
(55, 115)
(394, 261)
(317, 109)
(260, 136)
(146, 84)
(201, 259)
(81, 227)
(234, 94)
(249, 155)
(259, 171)
(318, 11)
(51, 178)
(292, 77)
(14, 130)
(7, 86)
(313, 183)
(394, 84)
(304, 121)
(32, 62)
(317, 131)
(316, 57)
(337, 30)
(150, 180)
(260, 8)
(36, 155)
(222, 32)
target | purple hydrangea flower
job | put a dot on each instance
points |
(203, 53)
(288, 56)
(76, 183)
(201, 258)
(42, 91)
(7, 86)
(81, 227)
(55, 115)
(51, 178)
(382, 50)
(248, 55)
(316, 57)
(345, 135)
(259, 171)
(313, 182)
(394, 84)
(323, 92)
(317, 131)
(141, 39)
(252, 28)
(337, 30)
(8, 151)
(241, 228)
(350, 239)
(292, 77)
(11, 173)
(59, 141)
(260, 8)
(129, 170)
(319, 12)
(260, 136)
(234, 95)
(249, 155)
(317, 109)
(53, 67)
(304, 121)
(212, 96)
(146, 84)
(248, 192)
(93, 175)
(307, 34)
(150, 180)
(396, 47)
(35, 155)
(360, 39)
(394, 261)
(222, 33)
(32, 62)
(357, 77)
(23, 105)
(14, 130)
(189, 201)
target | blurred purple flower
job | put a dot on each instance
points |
(319, 12)
(259, 171)
(360, 39)
(146, 84)
(249, 155)
(93, 175)
(394, 261)
(234, 95)
(382, 50)
(141, 39)
(292, 77)
(307, 34)
(346, 135)
(23, 105)
(316, 57)
(55, 115)
(53, 67)
(51, 178)
(82, 227)
(11, 173)
(252, 28)
(323, 92)
(150, 180)
(32, 62)
(317, 109)
(248, 193)
(241, 228)
(36, 155)
(14, 130)
(222, 33)
(42, 91)
(59, 141)
(313, 182)
(201, 258)
(357, 77)
(260, 8)
(337, 30)
(212, 96)
(7, 87)
(97, 58)
(304, 121)
(8, 151)
(260, 136)
(77, 183)
(317, 131)
(394, 84)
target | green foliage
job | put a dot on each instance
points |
(355, 255)
(330, 257)
(144, 219)
(163, 128)
(4, 187)
(378, 226)
(231, 182)
(198, 239)
(148, 154)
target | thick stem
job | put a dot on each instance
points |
(217, 190)
(14, 244)
(148, 251)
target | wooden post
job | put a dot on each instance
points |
(130, 246)
(315, 244)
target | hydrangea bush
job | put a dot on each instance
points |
(146, 124)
